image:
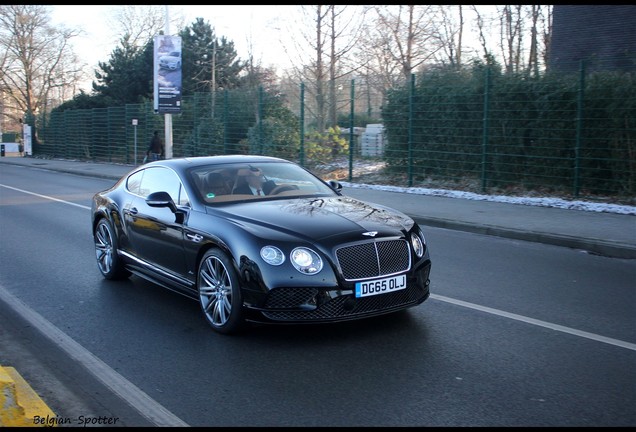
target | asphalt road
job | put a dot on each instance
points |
(514, 334)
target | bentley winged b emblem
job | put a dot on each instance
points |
(370, 233)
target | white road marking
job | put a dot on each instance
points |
(46, 197)
(134, 396)
(540, 323)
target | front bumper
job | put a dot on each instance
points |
(314, 305)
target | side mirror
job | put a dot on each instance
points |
(161, 199)
(335, 185)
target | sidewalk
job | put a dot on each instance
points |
(607, 234)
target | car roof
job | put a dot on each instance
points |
(192, 162)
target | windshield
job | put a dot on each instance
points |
(269, 180)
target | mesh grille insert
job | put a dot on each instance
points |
(373, 259)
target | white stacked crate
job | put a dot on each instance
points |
(372, 140)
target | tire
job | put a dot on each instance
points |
(220, 293)
(108, 260)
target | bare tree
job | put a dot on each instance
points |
(409, 34)
(533, 56)
(143, 22)
(545, 18)
(344, 33)
(482, 24)
(327, 35)
(140, 23)
(511, 19)
(523, 31)
(310, 48)
(540, 29)
(396, 41)
(320, 16)
(450, 35)
(378, 67)
(37, 61)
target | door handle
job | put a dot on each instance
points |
(194, 237)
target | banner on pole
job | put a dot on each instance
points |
(167, 74)
(27, 139)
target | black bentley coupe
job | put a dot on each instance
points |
(259, 239)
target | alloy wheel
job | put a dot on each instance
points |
(104, 248)
(215, 291)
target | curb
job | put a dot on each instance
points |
(19, 404)
(594, 246)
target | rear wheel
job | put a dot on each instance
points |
(219, 292)
(108, 260)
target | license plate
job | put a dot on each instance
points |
(380, 286)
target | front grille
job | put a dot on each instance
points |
(373, 259)
(290, 298)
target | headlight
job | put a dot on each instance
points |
(418, 245)
(272, 255)
(306, 261)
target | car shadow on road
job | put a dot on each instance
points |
(388, 325)
(141, 303)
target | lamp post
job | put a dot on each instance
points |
(213, 75)
(168, 116)
(134, 123)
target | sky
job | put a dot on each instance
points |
(260, 30)
(257, 25)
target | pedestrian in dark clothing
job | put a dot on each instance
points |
(155, 149)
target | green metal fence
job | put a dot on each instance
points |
(566, 135)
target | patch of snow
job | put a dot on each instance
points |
(365, 167)
(542, 202)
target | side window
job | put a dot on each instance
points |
(162, 179)
(183, 197)
(134, 181)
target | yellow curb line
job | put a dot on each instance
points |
(19, 404)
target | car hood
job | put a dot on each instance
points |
(320, 218)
